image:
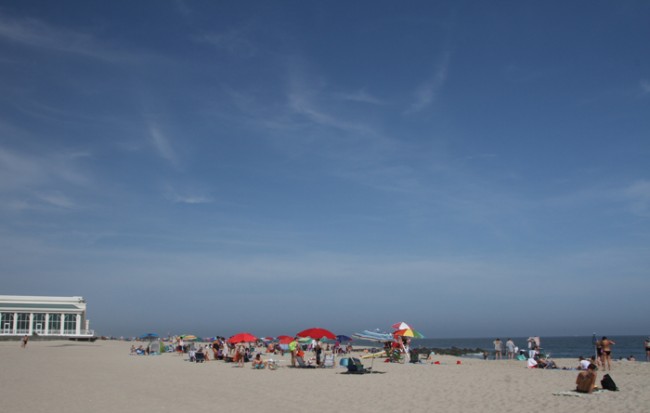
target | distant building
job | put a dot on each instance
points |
(63, 317)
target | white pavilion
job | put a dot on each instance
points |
(63, 317)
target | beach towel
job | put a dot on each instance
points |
(574, 393)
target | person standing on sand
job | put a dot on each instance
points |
(510, 349)
(647, 349)
(24, 342)
(292, 349)
(498, 348)
(607, 353)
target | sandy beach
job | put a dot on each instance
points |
(64, 376)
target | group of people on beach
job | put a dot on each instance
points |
(512, 350)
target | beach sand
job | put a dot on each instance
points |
(65, 376)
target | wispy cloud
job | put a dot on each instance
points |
(183, 8)
(233, 41)
(638, 195)
(302, 105)
(359, 96)
(161, 143)
(191, 197)
(57, 199)
(21, 170)
(39, 34)
(645, 86)
(37, 181)
(427, 92)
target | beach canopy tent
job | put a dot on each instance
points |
(242, 338)
(155, 346)
(317, 333)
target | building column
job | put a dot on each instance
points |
(46, 327)
(30, 328)
(15, 326)
(62, 324)
(78, 324)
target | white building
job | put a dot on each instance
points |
(63, 317)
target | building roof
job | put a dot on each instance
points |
(29, 306)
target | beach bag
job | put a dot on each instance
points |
(607, 383)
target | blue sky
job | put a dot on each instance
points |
(474, 168)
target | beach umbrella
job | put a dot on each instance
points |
(268, 339)
(242, 338)
(407, 332)
(285, 339)
(189, 337)
(369, 335)
(400, 326)
(317, 333)
(148, 336)
(343, 339)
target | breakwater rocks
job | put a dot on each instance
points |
(452, 351)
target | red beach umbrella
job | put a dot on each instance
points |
(242, 338)
(317, 333)
(285, 339)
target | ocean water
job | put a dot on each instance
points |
(558, 347)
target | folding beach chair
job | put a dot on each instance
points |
(328, 361)
(302, 364)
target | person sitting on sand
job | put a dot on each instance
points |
(583, 363)
(258, 363)
(586, 380)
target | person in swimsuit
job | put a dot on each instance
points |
(607, 353)
(586, 379)
(647, 349)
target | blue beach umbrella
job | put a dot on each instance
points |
(343, 339)
(149, 336)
